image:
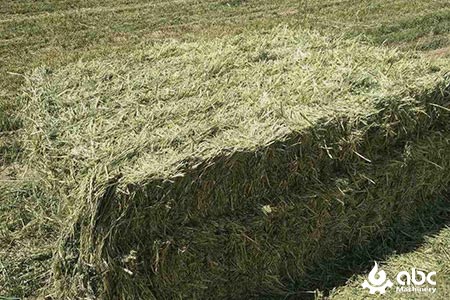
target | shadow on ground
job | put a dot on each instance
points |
(402, 238)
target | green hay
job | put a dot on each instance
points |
(227, 168)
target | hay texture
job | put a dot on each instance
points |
(228, 168)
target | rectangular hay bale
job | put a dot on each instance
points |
(226, 168)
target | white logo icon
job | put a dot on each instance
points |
(377, 281)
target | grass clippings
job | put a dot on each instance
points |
(228, 167)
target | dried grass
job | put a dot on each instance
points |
(229, 167)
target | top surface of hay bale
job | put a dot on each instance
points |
(150, 113)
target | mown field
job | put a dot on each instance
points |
(55, 33)
(106, 45)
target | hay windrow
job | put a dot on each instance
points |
(190, 168)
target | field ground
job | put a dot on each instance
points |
(432, 255)
(56, 33)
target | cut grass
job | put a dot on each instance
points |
(9, 124)
(231, 166)
(58, 32)
(55, 33)
(433, 255)
(402, 238)
(179, 100)
(28, 231)
(432, 27)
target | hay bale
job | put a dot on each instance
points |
(229, 167)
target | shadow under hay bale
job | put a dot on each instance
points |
(402, 236)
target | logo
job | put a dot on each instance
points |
(408, 282)
(377, 281)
